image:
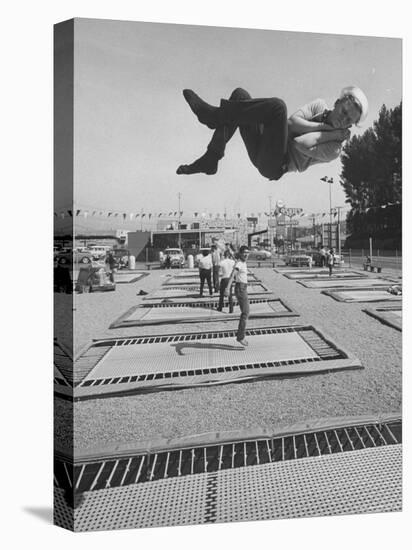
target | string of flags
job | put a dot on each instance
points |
(143, 215)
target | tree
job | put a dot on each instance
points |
(372, 177)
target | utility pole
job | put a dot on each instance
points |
(330, 181)
(314, 230)
(179, 195)
(270, 223)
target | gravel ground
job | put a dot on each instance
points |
(272, 404)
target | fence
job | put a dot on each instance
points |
(386, 258)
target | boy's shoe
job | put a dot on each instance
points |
(244, 342)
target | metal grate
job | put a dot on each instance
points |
(148, 467)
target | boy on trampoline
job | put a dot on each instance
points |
(276, 144)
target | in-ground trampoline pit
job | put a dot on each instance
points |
(356, 295)
(159, 313)
(184, 281)
(192, 292)
(63, 369)
(131, 277)
(367, 282)
(344, 466)
(150, 363)
(324, 275)
(388, 315)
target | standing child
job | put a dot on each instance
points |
(330, 259)
(239, 275)
(205, 272)
(226, 268)
(215, 267)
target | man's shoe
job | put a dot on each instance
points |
(244, 342)
(206, 114)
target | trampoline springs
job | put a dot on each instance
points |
(109, 479)
(370, 437)
(338, 440)
(349, 439)
(126, 471)
(179, 467)
(306, 444)
(147, 467)
(328, 444)
(167, 465)
(139, 471)
(94, 483)
(153, 468)
(76, 488)
(68, 476)
(360, 438)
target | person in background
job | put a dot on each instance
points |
(229, 249)
(168, 261)
(215, 266)
(205, 272)
(226, 268)
(111, 263)
(330, 259)
(239, 275)
(323, 253)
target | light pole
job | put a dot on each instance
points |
(330, 181)
(339, 208)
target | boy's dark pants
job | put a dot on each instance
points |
(243, 301)
(223, 285)
(205, 275)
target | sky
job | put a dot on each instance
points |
(133, 127)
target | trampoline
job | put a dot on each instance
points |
(353, 295)
(203, 358)
(169, 312)
(346, 467)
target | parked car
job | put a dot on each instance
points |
(98, 251)
(316, 255)
(68, 256)
(200, 254)
(259, 254)
(297, 259)
(177, 258)
(121, 257)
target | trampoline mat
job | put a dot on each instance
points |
(197, 312)
(128, 277)
(324, 275)
(184, 360)
(193, 292)
(391, 316)
(295, 269)
(63, 369)
(348, 283)
(362, 295)
(194, 280)
(235, 481)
